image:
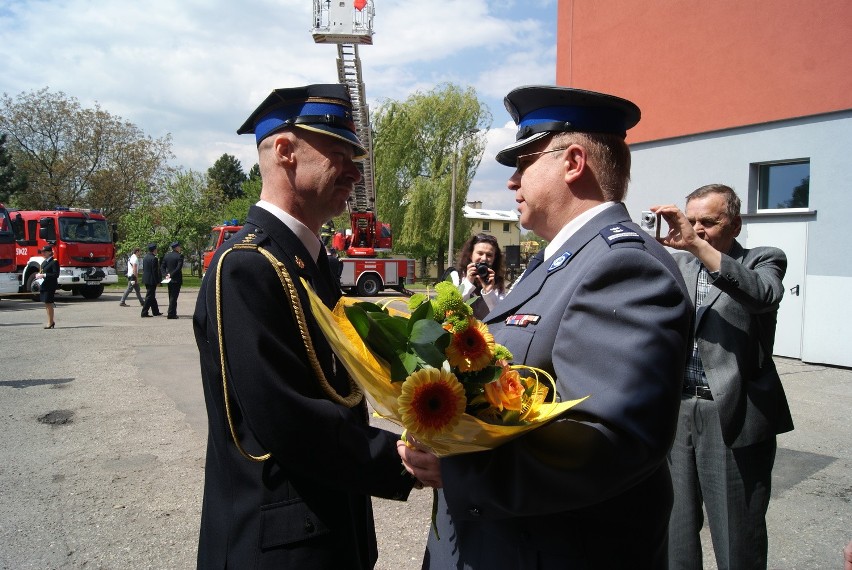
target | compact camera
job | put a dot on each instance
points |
(650, 222)
(482, 270)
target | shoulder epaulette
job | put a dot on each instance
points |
(616, 233)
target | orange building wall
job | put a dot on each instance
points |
(700, 65)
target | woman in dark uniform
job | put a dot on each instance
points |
(49, 273)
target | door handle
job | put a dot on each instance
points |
(794, 290)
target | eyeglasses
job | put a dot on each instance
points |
(519, 160)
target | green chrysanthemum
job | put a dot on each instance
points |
(502, 353)
(448, 299)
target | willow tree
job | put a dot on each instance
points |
(416, 142)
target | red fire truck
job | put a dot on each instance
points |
(218, 236)
(9, 279)
(83, 243)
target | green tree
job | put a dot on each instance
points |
(188, 212)
(80, 157)
(11, 181)
(237, 208)
(227, 174)
(415, 145)
(254, 173)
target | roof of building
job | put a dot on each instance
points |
(483, 214)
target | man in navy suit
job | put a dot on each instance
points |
(291, 458)
(733, 403)
(607, 315)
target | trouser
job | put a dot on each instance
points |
(132, 285)
(174, 291)
(150, 300)
(734, 485)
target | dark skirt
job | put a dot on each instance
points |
(46, 295)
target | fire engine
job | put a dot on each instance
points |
(218, 236)
(350, 24)
(83, 244)
(9, 279)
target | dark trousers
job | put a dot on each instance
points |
(174, 291)
(150, 300)
(733, 484)
(132, 285)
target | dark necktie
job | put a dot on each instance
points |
(534, 262)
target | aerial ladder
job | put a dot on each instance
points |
(349, 24)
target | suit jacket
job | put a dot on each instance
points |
(735, 327)
(172, 265)
(151, 275)
(308, 506)
(608, 317)
(50, 268)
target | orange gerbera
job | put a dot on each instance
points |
(431, 403)
(471, 349)
(507, 391)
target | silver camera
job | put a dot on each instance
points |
(650, 222)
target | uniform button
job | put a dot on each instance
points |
(474, 512)
(309, 526)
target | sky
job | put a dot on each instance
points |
(195, 69)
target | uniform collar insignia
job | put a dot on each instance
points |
(559, 261)
(299, 262)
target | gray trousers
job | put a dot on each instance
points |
(132, 285)
(734, 486)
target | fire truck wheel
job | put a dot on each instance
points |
(34, 295)
(369, 285)
(92, 291)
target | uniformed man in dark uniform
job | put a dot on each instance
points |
(151, 278)
(291, 458)
(172, 268)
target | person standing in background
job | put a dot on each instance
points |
(49, 274)
(733, 404)
(479, 273)
(172, 269)
(151, 277)
(132, 278)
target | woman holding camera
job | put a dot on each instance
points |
(479, 273)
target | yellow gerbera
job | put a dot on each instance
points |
(472, 349)
(431, 403)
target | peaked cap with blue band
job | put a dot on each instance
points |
(322, 108)
(540, 110)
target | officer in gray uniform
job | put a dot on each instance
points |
(606, 313)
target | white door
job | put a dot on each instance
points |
(792, 238)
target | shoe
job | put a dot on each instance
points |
(172, 317)
(122, 304)
(157, 314)
(50, 326)
(144, 316)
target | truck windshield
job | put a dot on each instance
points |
(83, 230)
(6, 234)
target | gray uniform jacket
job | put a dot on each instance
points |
(609, 317)
(735, 327)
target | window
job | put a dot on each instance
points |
(506, 227)
(486, 226)
(783, 185)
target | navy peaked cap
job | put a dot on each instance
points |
(322, 108)
(539, 110)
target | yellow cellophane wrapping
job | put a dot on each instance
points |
(470, 434)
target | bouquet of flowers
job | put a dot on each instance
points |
(437, 371)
